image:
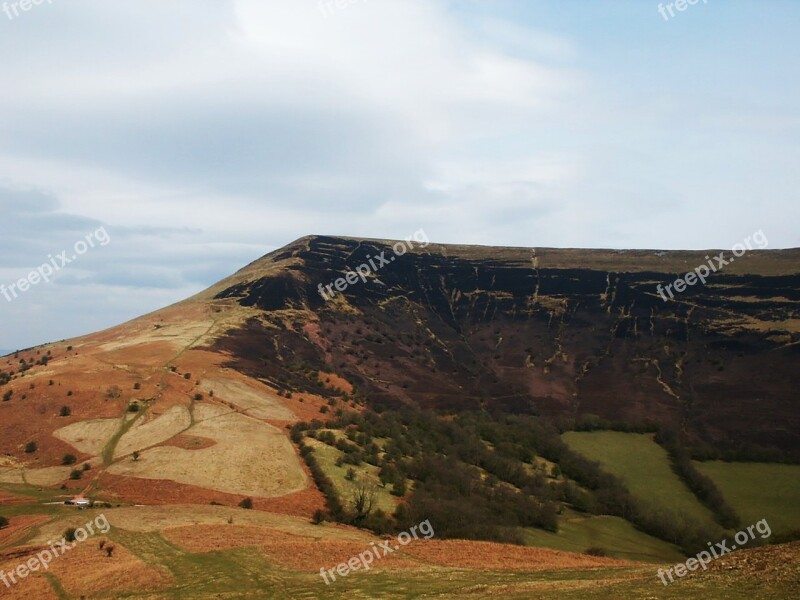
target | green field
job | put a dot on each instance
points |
(327, 455)
(644, 467)
(618, 537)
(759, 491)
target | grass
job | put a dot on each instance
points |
(248, 573)
(645, 468)
(620, 539)
(327, 455)
(759, 491)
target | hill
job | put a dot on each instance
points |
(381, 385)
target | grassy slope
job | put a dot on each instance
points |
(246, 573)
(644, 467)
(326, 456)
(618, 537)
(759, 491)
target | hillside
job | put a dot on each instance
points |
(443, 380)
(555, 332)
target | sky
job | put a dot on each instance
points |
(195, 136)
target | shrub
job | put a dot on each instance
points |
(75, 475)
(319, 517)
(69, 393)
(246, 503)
(596, 551)
(69, 534)
(137, 386)
(86, 466)
(135, 457)
(7, 395)
(187, 376)
(3, 522)
(65, 411)
(69, 459)
(399, 487)
(198, 397)
(31, 447)
(133, 407)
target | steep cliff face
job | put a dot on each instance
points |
(562, 333)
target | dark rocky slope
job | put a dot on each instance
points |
(561, 333)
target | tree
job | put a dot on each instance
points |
(399, 487)
(319, 517)
(69, 459)
(7, 395)
(246, 503)
(388, 474)
(31, 447)
(65, 411)
(363, 496)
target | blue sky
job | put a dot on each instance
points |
(202, 134)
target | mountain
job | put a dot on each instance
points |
(561, 333)
(384, 383)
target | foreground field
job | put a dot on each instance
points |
(759, 491)
(211, 552)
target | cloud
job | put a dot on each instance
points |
(205, 133)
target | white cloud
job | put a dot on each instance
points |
(208, 132)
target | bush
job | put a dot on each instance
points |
(596, 551)
(133, 407)
(137, 386)
(3, 522)
(75, 475)
(31, 447)
(319, 517)
(65, 411)
(69, 459)
(246, 503)
(86, 466)
(399, 488)
(69, 535)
